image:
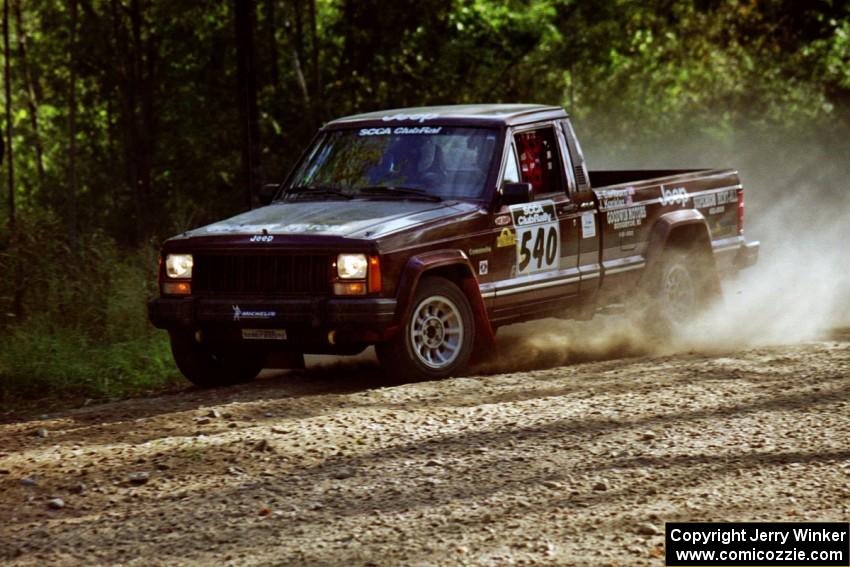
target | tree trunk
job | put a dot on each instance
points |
(299, 31)
(148, 118)
(123, 62)
(7, 77)
(135, 57)
(298, 56)
(18, 294)
(246, 75)
(317, 77)
(299, 76)
(72, 129)
(32, 92)
(139, 151)
(271, 30)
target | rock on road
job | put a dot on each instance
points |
(580, 464)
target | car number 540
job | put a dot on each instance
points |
(538, 237)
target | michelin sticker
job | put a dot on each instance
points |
(538, 237)
(239, 314)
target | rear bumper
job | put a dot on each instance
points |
(734, 254)
(366, 319)
(747, 255)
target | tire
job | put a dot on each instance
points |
(208, 366)
(437, 338)
(680, 293)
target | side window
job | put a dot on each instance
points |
(511, 171)
(540, 161)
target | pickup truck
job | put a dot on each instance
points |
(421, 231)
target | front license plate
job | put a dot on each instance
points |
(264, 334)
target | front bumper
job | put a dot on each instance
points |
(364, 319)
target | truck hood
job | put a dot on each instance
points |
(351, 219)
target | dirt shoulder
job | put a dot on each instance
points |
(571, 465)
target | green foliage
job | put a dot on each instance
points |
(157, 95)
(39, 359)
(83, 331)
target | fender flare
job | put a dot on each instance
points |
(665, 226)
(420, 265)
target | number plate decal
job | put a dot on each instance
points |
(264, 334)
(538, 237)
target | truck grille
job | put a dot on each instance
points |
(293, 274)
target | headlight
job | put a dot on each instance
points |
(352, 266)
(179, 266)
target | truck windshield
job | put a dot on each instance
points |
(431, 162)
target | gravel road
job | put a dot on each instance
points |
(568, 465)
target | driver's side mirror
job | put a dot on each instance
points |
(516, 193)
(267, 193)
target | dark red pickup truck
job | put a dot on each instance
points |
(423, 230)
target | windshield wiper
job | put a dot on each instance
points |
(318, 190)
(400, 191)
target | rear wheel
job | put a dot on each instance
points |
(209, 366)
(437, 338)
(680, 290)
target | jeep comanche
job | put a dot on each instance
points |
(423, 230)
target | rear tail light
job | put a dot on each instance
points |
(740, 211)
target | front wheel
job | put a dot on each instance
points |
(209, 366)
(437, 338)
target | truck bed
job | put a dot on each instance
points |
(605, 178)
(631, 203)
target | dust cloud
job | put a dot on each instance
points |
(553, 342)
(800, 288)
